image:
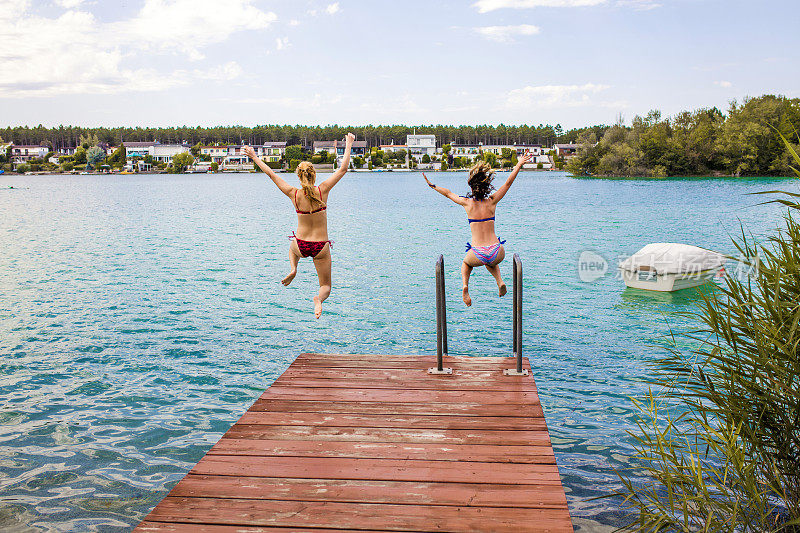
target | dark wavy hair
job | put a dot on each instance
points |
(480, 181)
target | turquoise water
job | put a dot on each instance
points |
(141, 315)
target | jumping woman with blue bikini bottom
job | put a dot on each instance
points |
(485, 248)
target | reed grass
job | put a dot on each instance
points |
(718, 443)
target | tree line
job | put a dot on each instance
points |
(706, 142)
(69, 136)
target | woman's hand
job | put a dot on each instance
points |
(524, 159)
(248, 150)
(349, 138)
(431, 185)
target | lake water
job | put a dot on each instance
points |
(140, 316)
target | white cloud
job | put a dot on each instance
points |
(294, 22)
(504, 34)
(725, 84)
(485, 6)
(69, 4)
(77, 53)
(554, 95)
(332, 8)
(189, 25)
(281, 43)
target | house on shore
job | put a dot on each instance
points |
(22, 153)
(421, 145)
(393, 147)
(472, 150)
(565, 150)
(359, 148)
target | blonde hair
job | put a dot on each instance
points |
(307, 174)
(480, 180)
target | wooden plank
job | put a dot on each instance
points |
(465, 409)
(450, 436)
(366, 491)
(418, 363)
(166, 527)
(441, 383)
(395, 374)
(386, 450)
(397, 395)
(372, 443)
(377, 469)
(356, 516)
(275, 418)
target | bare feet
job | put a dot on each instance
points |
(503, 289)
(288, 279)
(465, 294)
(317, 307)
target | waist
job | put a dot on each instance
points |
(313, 236)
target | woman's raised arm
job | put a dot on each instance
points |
(285, 188)
(499, 193)
(447, 193)
(328, 184)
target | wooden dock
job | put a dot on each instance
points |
(375, 443)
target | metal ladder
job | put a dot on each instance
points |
(441, 320)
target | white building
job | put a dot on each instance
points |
(565, 150)
(420, 145)
(163, 153)
(216, 153)
(20, 153)
(393, 147)
(139, 149)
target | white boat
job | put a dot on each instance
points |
(668, 266)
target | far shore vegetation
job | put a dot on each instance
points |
(702, 143)
(705, 142)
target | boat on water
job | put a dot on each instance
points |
(2, 171)
(669, 266)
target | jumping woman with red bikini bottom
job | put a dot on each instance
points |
(310, 202)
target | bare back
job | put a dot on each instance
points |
(482, 232)
(313, 226)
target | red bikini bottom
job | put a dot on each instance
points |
(309, 248)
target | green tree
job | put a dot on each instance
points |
(446, 149)
(117, 159)
(426, 158)
(214, 167)
(295, 151)
(444, 166)
(195, 150)
(94, 156)
(180, 162)
(80, 156)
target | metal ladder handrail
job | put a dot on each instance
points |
(516, 297)
(441, 321)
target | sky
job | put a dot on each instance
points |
(247, 62)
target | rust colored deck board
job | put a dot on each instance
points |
(355, 516)
(386, 450)
(392, 421)
(367, 491)
(375, 443)
(433, 409)
(507, 398)
(400, 435)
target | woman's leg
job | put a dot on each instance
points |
(494, 270)
(322, 262)
(294, 257)
(470, 262)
